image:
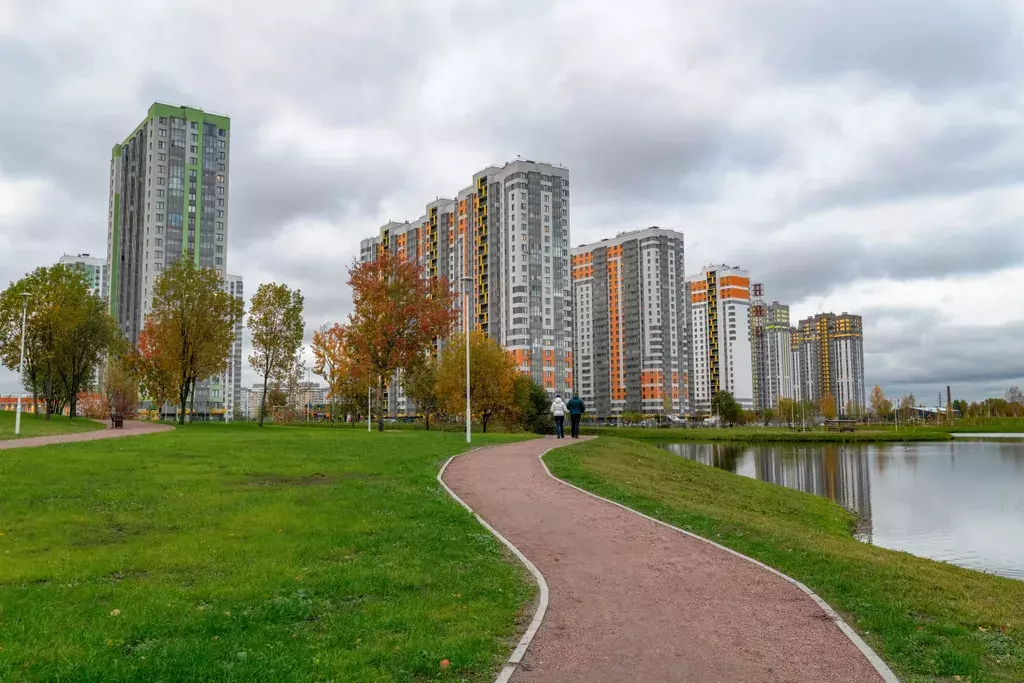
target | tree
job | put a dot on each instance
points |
(419, 380)
(121, 388)
(398, 315)
(787, 410)
(1015, 398)
(492, 378)
(851, 411)
(157, 372)
(533, 406)
(346, 385)
(827, 406)
(192, 324)
(276, 327)
(767, 415)
(879, 406)
(68, 331)
(906, 408)
(726, 407)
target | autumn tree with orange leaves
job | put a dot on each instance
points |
(346, 383)
(397, 316)
(156, 371)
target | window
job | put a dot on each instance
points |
(222, 143)
(220, 214)
(222, 155)
(163, 120)
(158, 254)
(192, 148)
(219, 261)
(220, 190)
(222, 132)
(220, 167)
(161, 157)
(220, 178)
(158, 242)
(160, 181)
(159, 193)
(195, 125)
(220, 226)
(159, 205)
(193, 161)
(161, 133)
(220, 249)
(191, 208)
(195, 137)
(220, 237)
(159, 229)
(220, 202)
(161, 145)
(159, 216)
(161, 168)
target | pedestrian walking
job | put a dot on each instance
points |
(576, 408)
(558, 411)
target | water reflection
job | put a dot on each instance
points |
(960, 502)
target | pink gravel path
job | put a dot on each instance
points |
(131, 428)
(631, 600)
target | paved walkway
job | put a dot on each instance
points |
(632, 600)
(131, 428)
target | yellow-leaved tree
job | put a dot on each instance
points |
(492, 379)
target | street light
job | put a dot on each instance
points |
(466, 282)
(21, 364)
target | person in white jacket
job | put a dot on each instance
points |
(559, 410)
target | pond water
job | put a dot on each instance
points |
(960, 502)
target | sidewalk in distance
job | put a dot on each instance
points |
(929, 620)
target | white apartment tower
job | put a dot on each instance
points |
(234, 407)
(94, 269)
(632, 328)
(720, 319)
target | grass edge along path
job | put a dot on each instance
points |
(930, 621)
(231, 553)
(36, 425)
(771, 434)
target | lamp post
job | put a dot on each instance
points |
(466, 282)
(21, 364)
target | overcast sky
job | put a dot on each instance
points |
(853, 156)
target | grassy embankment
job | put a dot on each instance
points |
(931, 621)
(31, 425)
(230, 553)
(862, 434)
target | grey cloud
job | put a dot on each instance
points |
(794, 270)
(921, 44)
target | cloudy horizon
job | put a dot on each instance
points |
(858, 157)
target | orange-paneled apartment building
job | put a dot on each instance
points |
(617, 320)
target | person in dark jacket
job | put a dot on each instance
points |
(576, 409)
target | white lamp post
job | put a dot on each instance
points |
(21, 364)
(466, 282)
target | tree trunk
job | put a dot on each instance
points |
(380, 405)
(49, 394)
(483, 421)
(426, 419)
(73, 402)
(182, 401)
(263, 398)
(193, 413)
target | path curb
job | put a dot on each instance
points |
(880, 666)
(542, 603)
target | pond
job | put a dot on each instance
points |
(960, 502)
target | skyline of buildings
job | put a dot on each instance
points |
(828, 357)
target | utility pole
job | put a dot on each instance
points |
(21, 365)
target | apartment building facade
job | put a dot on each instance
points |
(828, 357)
(94, 269)
(505, 239)
(168, 200)
(232, 379)
(772, 357)
(631, 336)
(720, 321)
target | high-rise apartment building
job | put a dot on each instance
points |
(720, 319)
(828, 357)
(94, 269)
(509, 232)
(772, 358)
(632, 330)
(168, 200)
(232, 380)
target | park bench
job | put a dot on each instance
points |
(116, 421)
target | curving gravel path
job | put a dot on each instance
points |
(131, 428)
(632, 600)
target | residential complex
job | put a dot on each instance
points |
(771, 351)
(94, 269)
(509, 232)
(168, 200)
(232, 380)
(828, 357)
(632, 331)
(720, 319)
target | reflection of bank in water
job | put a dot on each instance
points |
(836, 472)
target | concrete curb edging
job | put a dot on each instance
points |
(542, 604)
(880, 666)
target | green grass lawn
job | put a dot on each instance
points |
(989, 424)
(38, 426)
(930, 621)
(231, 553)
(768, 434)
